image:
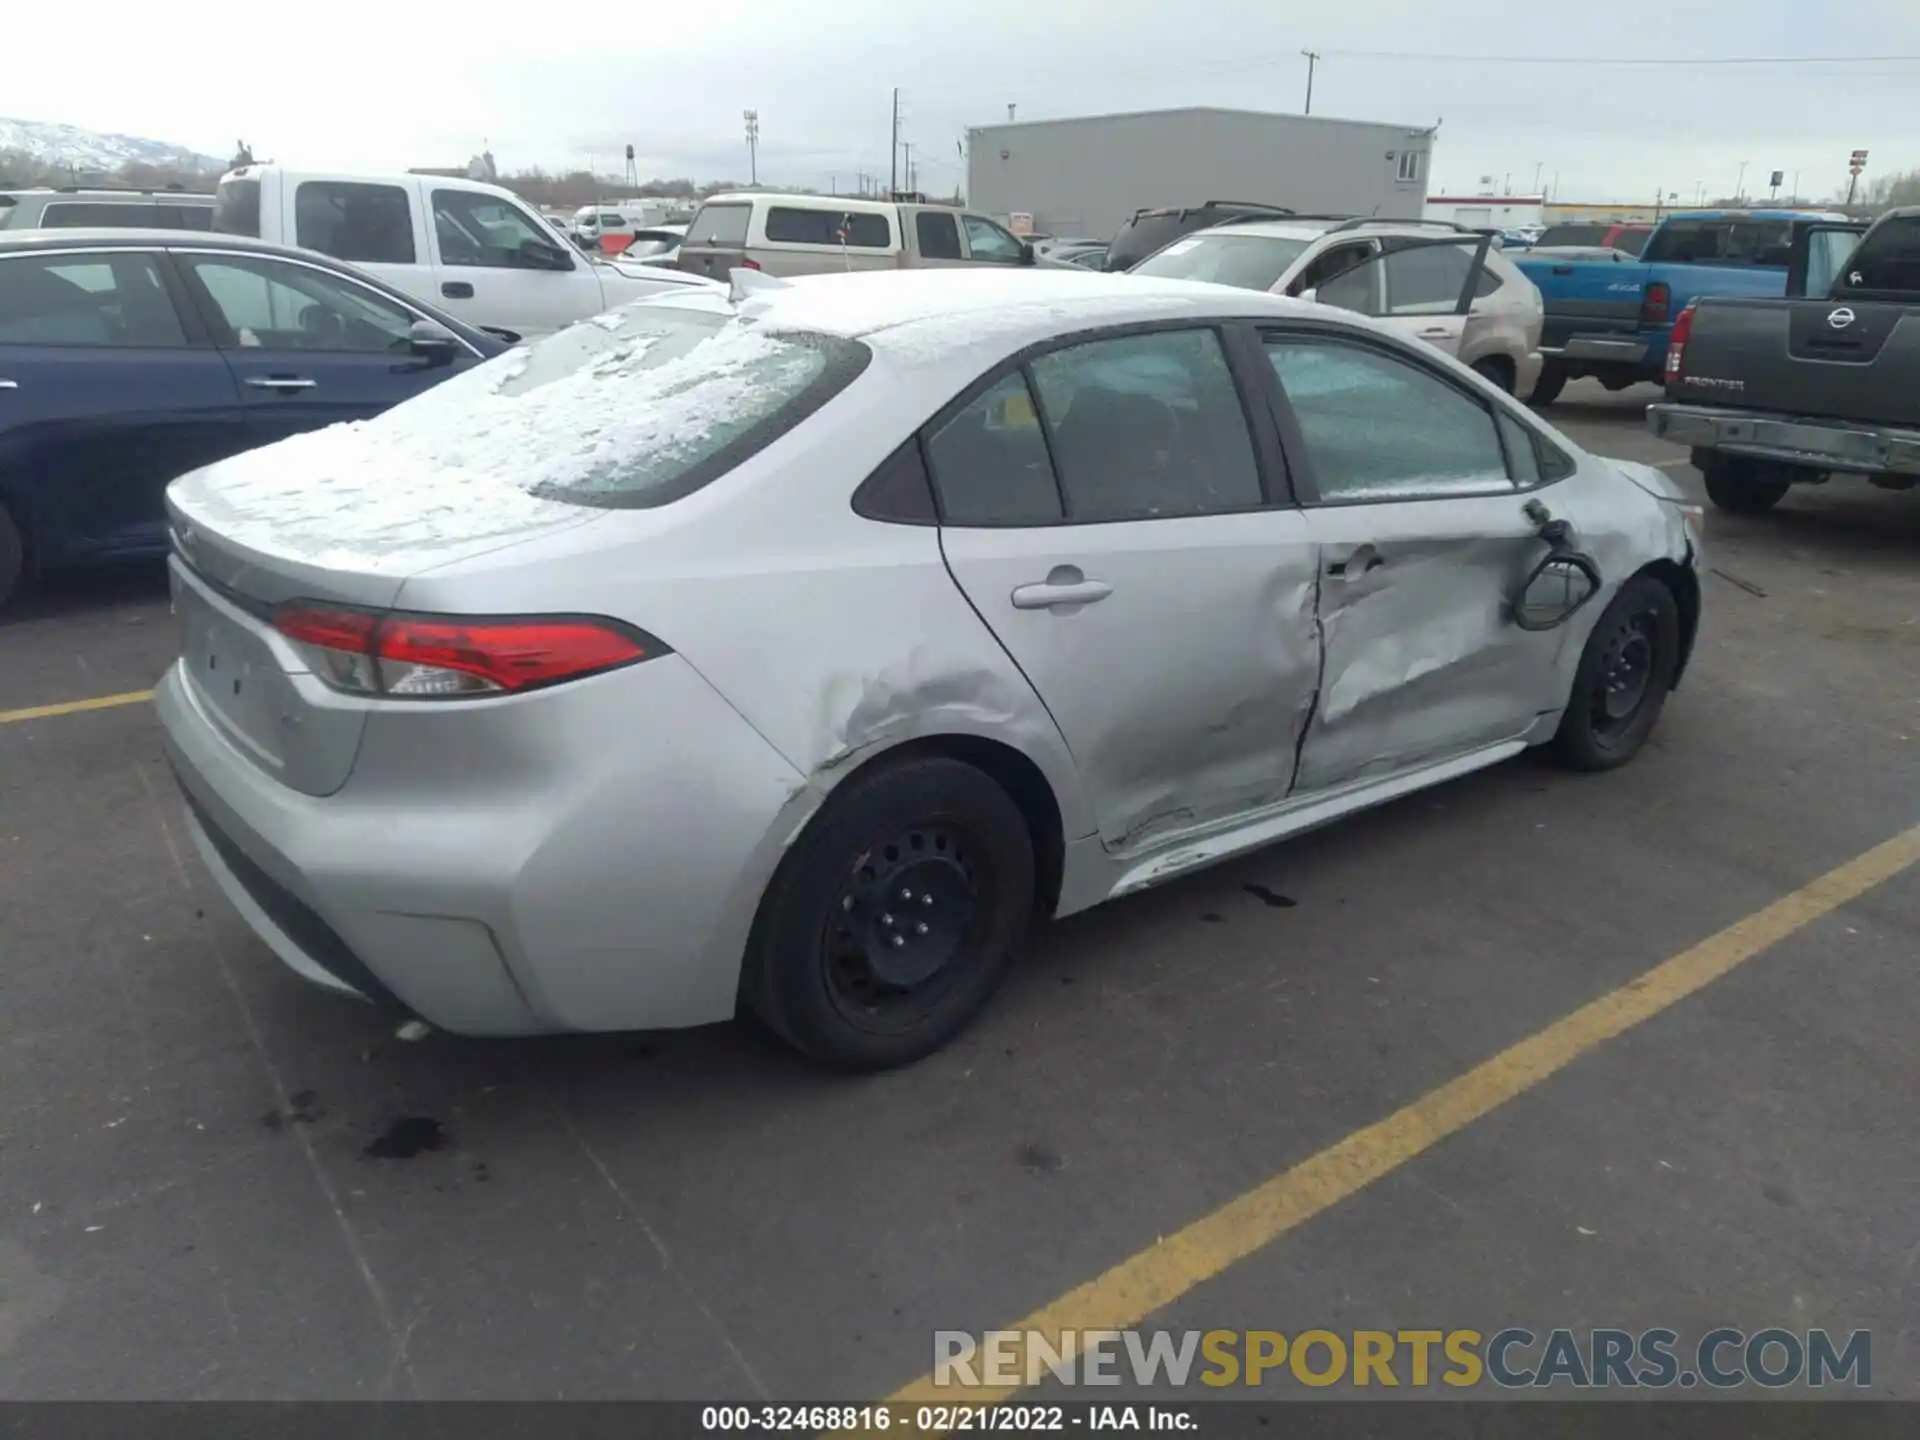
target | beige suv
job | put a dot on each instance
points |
(825, 234)
(1434, 280)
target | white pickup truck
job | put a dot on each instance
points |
(476, 251)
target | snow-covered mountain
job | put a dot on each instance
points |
(89, 150)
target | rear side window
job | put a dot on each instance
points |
(719, 225)
(111, 300)
(990, 462)
(666, 400)
(790, 225)
(185, 217)
(1573, 235)
(351, 220)
(1632, 240)
(88, 214)
(1250, 262)
(236, 208)
(937, 234)
(1887, 259)
(1721, 242)
(1147, 427)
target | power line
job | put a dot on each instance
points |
(1649, 60)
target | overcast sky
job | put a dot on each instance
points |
(365, 86)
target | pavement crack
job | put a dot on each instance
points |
(249, 1023)
(659, 1246)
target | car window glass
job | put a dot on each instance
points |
(990, 463)
(719, 225)
(1721, 242)
(987, 241)
(275, 305)
(1887, 260)
(1380, 428)
(1252, 262)
(1147, 427)
(83, 214)
(352, 220)
(793, 225)
(1523, 455)
(98, 300)
(1488, 282)
(475, 229)
(938, 235)
(1425, 279)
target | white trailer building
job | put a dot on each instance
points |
(1085, 176)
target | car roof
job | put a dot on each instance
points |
(850, 204)
(939, 312)
(143, 237)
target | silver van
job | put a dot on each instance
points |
(78, 209)
(825, 234)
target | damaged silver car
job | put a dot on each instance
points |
(797, 648)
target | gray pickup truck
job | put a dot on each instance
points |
(1774, 393)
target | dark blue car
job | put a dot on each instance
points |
(128, 358)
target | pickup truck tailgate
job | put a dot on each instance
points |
(1586, 297)
(1843, 360)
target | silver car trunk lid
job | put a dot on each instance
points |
(339, 521)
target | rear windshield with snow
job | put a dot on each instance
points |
(643, 405)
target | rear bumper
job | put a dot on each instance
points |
(530, 865)
(1791, 440)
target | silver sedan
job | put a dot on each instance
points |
(797, 648)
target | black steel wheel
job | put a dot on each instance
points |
(894, 916)
(1623, 679)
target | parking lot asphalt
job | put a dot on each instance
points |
(218, 1183)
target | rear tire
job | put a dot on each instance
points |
(1497, 369)
(13, 558)
(894, 918)
(1623, 679)
(1553, 379)
(1742, 486)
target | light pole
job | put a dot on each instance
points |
(1313, 58)
(1740, 185)
(753, 146)
(1538, 166)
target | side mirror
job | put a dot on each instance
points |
(1310, 295)
(537, 256)
(1026, 252)
(1556, 590)
(433, 343)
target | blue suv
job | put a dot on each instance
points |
(129, 357)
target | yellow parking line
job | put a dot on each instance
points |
(74, 707)
(1161, 1274)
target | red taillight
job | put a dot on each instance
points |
(748, 263)
(1653, 308)
(438, 657)
(1677, 343)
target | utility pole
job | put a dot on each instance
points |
(753, 146)
(1313, 58)
(1538, 166)
(906, 159)
(893, 148)
(1740, 185)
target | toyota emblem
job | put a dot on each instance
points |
(1840, 318)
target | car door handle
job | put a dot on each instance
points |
(1563, 269)
(281, 382)
(1435, 331)
(1059, 589)
(457, 290)
(1361, 560)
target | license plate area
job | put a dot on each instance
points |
(233, 670)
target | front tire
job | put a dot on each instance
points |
(1623, 679)
(894, 918)
(1742, 486)
(1553, 379)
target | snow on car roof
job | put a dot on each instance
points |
(974, 303)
